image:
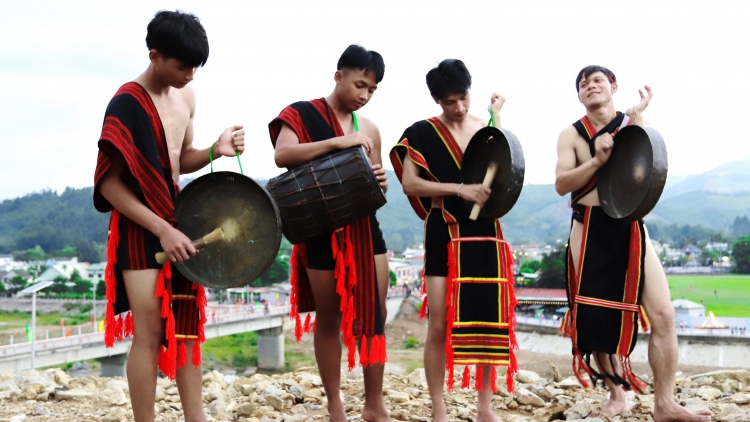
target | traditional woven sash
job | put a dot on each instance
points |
(132, 128)
(604, 294)
(480, 300)
(356, 282)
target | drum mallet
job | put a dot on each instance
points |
(488, 177)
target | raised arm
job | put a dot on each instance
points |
(568, 176)
(230, 142)
(291, 153)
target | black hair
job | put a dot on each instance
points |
(357, 57)
(179, 36)
(451, 75)
(590, 70)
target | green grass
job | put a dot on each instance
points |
(733, 293)
(17, 318)
(237, 348)
(294, 360)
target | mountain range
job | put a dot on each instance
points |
(712, 199)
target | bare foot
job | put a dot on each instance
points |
(336, 412)
(613, 407)
(438, 412)
(487, 416)
(375, 412)
(673, 412)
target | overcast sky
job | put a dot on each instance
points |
(61, 62)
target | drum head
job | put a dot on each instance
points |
(501, 146)
(215, 200)
(631, 181)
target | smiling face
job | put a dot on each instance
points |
(596, 90)
(355, 87)
(455, 105)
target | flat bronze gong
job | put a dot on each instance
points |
(499, 146)
(250, 221)
(632, 180)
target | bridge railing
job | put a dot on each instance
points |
(53, 339)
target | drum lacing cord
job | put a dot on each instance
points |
(341, 183)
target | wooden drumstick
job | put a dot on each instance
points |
(491, 170)
(208, 239)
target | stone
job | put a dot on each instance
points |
(420, 419)
(570, 382)
(397, 396)
(160, 394)
(245, 409)
(216, 377)
(528, 377)
(117, 397)
(580, 410)
(525, 396)
(418, 378)
(740, 398)
(214, 391)
(74, 395)
(116, 383)
(40, 410)
(709, 393)
(115, 414)
(274, 401)
(731, 413)
(217, 408)
(297, 391)
(315, 393)
(647, 404)
(695, 403)
(313, 379)
(740, 375)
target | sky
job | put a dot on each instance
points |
(62, 61)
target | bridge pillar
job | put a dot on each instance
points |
(114, 366)
(271, 349)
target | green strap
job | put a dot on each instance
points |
(355, 121)
(492, 118)
(211, 158)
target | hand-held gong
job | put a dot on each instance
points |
(208, 239)
(491, 170)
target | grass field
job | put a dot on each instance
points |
(732, 297)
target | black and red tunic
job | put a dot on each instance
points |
(133, 130)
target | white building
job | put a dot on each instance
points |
(8, 264)
(406, 271)
(688, 308)
(64, 269)
(96, 272)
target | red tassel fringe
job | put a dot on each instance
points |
(196, 358)
(129, 329)
(450, 285)
(294, 296)
(423, 309)
(465, 378)
(363, 350)
(478, 384)
(493, 379)
(110, 280)
(182, 355)
(306, 326)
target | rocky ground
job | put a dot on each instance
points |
(299, 396)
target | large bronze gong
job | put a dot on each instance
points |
(631, 181)
(251, 223)
(499, 146)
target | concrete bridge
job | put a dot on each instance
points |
(227, 321)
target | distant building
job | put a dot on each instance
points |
(64, 269)
(691, 251)
(8, 264)
(96, 272)
(683, 307)
(6, 276)
(406, 271)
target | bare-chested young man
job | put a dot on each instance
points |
(146, 143)
(302, 132)
(610, 259)
(428, 160)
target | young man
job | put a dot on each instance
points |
(146, 143)
(302, 132)
(620, 261)
(428, 162)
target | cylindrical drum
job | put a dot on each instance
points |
(326, 194)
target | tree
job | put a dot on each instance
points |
(741, 226)
(741, 255)
(392, 278)
(59, 285)
(708, 257)
(101, 289)
(278, 272)
(33, 254)
(530, 266)
(16, 284)
(553, 270)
